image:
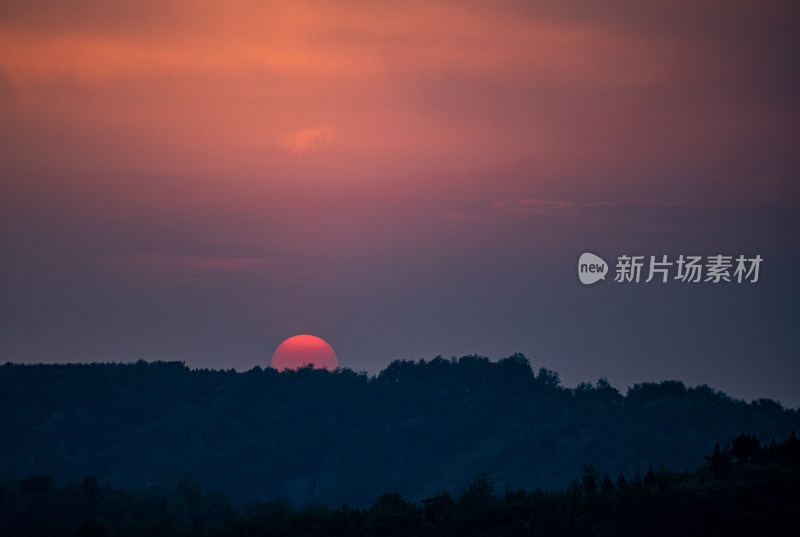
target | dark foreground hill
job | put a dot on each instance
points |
(743, 489)
(310, 435)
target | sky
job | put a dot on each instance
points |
(198, 181)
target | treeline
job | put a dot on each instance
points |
(743, 489)
(417, 428)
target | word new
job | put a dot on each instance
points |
(591, 268)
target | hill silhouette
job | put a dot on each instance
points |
(744, 489)
(417, 428)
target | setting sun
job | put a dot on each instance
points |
(303, 350)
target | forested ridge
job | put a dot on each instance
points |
(416, 429)
(743, 489)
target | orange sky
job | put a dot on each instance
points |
(356, 91)
(259, 169)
